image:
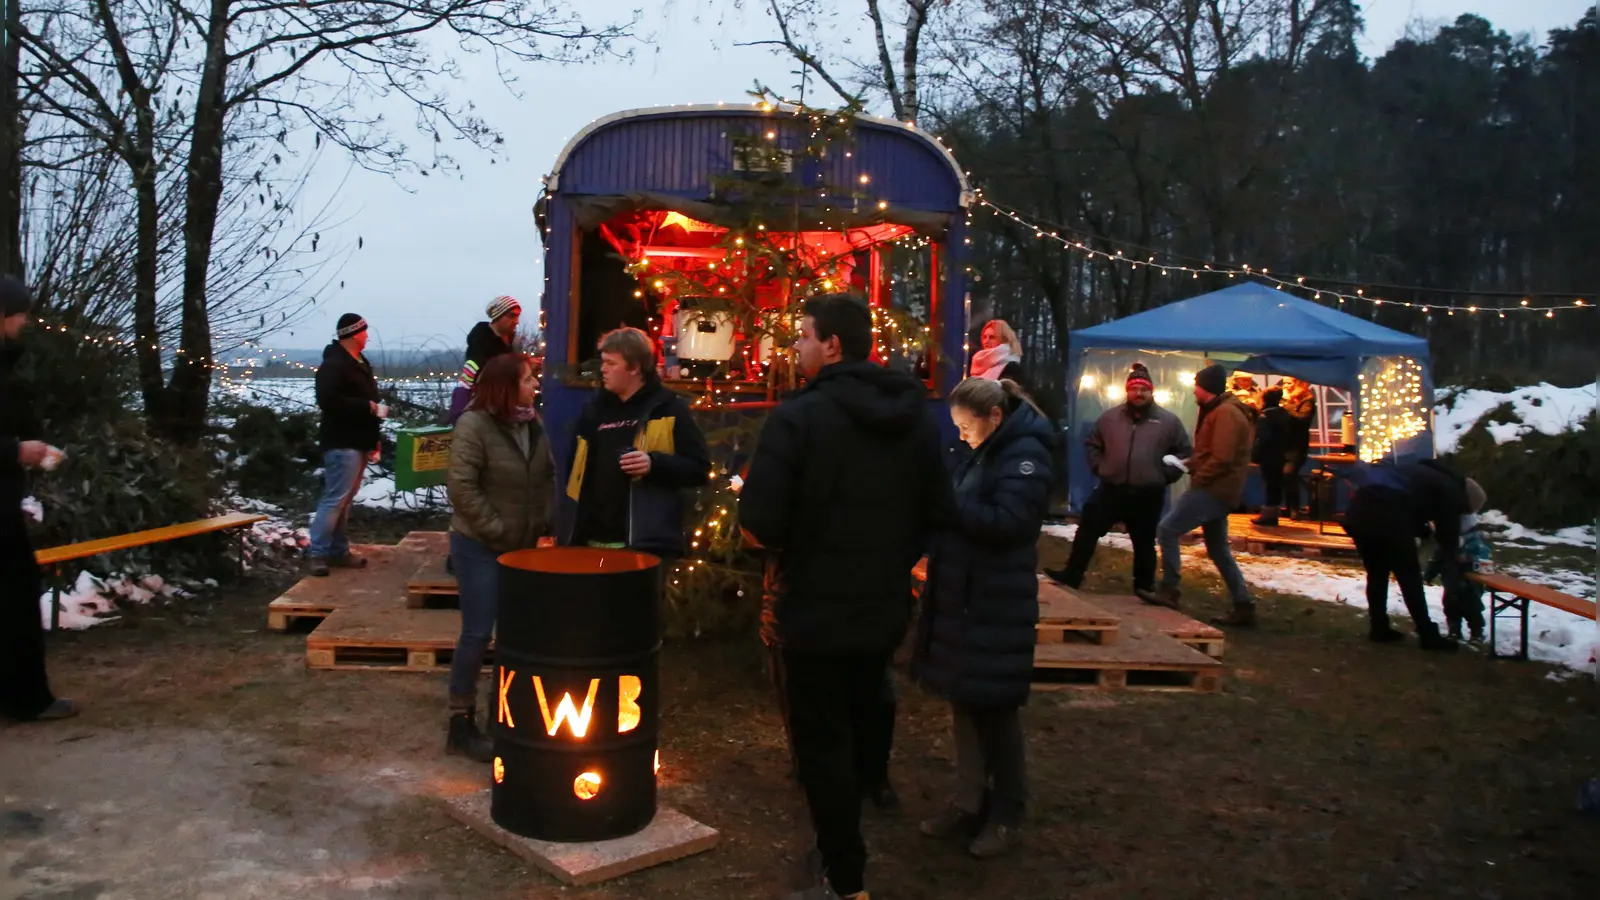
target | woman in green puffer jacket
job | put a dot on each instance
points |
(502, 487)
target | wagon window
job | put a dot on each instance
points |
(722, 304)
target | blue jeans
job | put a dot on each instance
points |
(478, 583)
(1199, 509)
(341, 479)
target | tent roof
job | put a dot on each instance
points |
(1254, 319)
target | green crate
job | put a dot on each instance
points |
(422, 457)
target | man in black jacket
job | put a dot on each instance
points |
(487, 339)
(1274, 431)
(24, 686)
(845, 488)
(637, 451)
(347, 394)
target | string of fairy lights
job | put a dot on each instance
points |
(1079, 242)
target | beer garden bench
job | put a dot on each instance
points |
(53, 558)
(1509, 595)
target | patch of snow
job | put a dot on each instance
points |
(1554, 636)
(33, 508)
(1513, 535)
(1543, 407)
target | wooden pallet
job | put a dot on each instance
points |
(433, 543)
(384, 638)
(431, 587)
(1289, 538)
(1136, 614)
(1066, 617)
(1139, 661)
(382, 581)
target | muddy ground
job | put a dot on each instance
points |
(211, 764)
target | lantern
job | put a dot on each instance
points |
(576, 702)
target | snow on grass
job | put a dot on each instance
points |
(1554, 636)
(92, 601)
(1544, 408)
(1510, 534)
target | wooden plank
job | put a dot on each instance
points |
(430, 583)
(1138, 615)
(388, 637)
(382, 582)
(1300, 538)
(1139, 660)
(1538, 593)
(430, 542)
(1065, 616)
(86, 549)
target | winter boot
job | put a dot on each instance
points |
(1243, 615)
(993, 841)
(319, 567)
(1267, 519)
(347, 561)
(1059, 576)
(464, 738)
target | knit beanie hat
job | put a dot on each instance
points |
(1213, 379)
(1476, 497)
(350, 325)
(14, 295)
(1139, 375)
(503, 305)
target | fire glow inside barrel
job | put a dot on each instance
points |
(576, 651)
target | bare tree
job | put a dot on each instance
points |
(172, 85)
(805, 25)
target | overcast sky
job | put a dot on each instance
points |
(436, 251)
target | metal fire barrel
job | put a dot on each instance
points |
(576, 693)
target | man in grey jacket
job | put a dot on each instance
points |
(1126, 449)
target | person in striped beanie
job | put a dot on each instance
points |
(488, 339)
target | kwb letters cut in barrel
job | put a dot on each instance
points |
(576, 695)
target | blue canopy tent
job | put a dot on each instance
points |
(1254, 328)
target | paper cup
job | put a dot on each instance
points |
(383, 410)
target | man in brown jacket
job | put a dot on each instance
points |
(1222, 440)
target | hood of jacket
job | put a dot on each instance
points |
(878, 399)
(1023, 421)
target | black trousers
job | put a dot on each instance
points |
(1139, 510)
(834, 709)
(24, 687)
(1292, 461)
(1272, 482)
(873, 745)
(1383, 555)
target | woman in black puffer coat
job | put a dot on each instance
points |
(976, 635)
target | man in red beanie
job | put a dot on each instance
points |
(1126, 448)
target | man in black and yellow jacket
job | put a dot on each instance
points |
(637, 451)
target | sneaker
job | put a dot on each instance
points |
(952, 823)
(62, 708)
(347, 561)
(1243, 615)
(319, 567)
(993, 841)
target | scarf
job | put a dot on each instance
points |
(991, 362)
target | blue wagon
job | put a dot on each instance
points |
(644, 192)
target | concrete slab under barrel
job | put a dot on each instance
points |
(670, 836)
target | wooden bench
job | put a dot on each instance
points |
(53, 558)
(1512, 595)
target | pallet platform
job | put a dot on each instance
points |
(389, 637)
(383, 580)
(431, 587)
(1289, 538)
(1139, 661)
(427, 542)
(1066, 616)
(1138, 615)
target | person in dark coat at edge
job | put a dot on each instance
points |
(1391, 507)
(24, 684)
(487, 340)
(347, 395)
(1273, 433)
(636, 451)
(976, 637)
(845, 489)
(1126, 451)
